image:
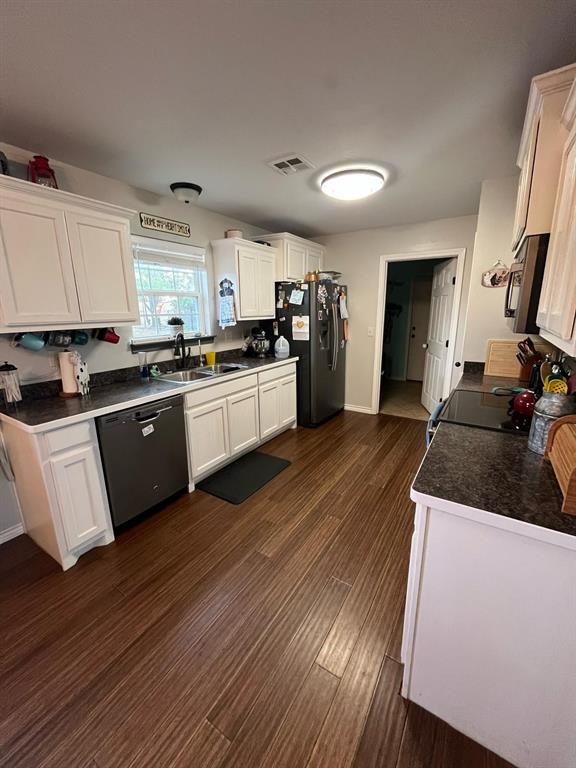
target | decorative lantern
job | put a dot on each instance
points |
(39, 172)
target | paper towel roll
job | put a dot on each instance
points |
(69, 383)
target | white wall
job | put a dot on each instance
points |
(205, 225)
(493, 240)
(357, 256)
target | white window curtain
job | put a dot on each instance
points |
(171, 280)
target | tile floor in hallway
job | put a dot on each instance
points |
(402, 398)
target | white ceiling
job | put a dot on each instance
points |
(155, 91)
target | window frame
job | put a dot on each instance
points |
(173, 255)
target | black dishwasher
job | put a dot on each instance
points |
(144, 456)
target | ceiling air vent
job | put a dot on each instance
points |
(290, 164)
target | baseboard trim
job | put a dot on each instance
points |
(359, 409)
(11, 533)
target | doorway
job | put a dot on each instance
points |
(419, 297)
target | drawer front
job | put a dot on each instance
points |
(220, 390)
(277, 373)
(67, 437)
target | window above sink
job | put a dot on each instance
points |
(171, 280)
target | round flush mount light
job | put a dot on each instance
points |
(185, 191)
(353, 183)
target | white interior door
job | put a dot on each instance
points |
(419, 321)
(441, 304)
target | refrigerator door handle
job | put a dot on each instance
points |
(335, 336)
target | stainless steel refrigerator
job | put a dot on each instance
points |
(315, 331)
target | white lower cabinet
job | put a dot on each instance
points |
(61, 489)
(227, 419)
(208, 440)
(277, 405)
(269, 408)
(287, 397)
(243, 420)
(81, 497)
(489, 636)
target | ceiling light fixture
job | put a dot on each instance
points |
(353, 183)
(186, 192)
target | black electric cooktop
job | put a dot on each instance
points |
(483, 409)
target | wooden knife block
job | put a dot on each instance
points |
(561, 453)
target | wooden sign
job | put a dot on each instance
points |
(148, 221)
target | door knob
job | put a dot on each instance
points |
(425, 346)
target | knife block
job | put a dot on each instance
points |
(561, 453)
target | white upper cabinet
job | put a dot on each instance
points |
(248, 282)
(314, 256)
(557, 308)
(540, 153)
(295, 260)
(36, 276)
(252, 270)
(265, 284)
(65, 261)
(104, 267)
(296, 255)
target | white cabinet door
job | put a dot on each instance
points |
(36, 274)
(269, 408)
(81, 496)
(265, 285)
(104, 267)
(243, 420)
(247, 282)
(557, 308)
(295, 261)
(208, 436)
(313, 259)
(287, 398)
(524, 185)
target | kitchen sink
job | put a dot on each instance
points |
(219, 369)
(196, 374)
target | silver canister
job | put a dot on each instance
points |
(547, 409)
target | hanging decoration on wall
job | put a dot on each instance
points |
(160, 224)
(496, 276)
(226, 308)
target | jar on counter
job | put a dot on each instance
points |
(547, 409)
(10, 383)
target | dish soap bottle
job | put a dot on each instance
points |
(281, 348)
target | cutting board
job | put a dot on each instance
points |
(501, 357)
(561, 452)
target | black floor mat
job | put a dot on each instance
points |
(239, 480)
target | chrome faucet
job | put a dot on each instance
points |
(201, 363)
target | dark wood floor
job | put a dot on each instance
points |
(210, 635)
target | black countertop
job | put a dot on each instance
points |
(495, 472)
(34, 413)
(478, 382)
